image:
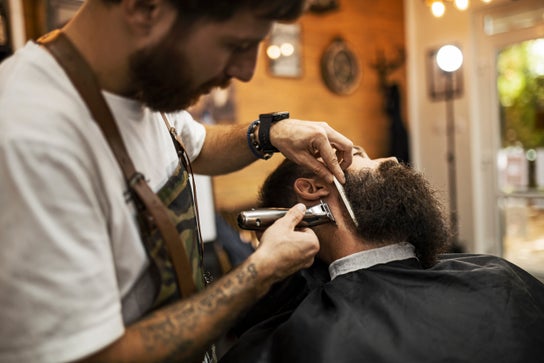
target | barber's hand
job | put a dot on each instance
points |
(283, 250)
(305, 141)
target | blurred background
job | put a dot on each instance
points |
(369, 69)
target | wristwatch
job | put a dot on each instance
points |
(265, 121)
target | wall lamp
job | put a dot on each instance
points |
(283, 50)
(438, 7)
(449, 59)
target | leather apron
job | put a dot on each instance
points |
(177, 196)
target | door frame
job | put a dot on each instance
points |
(486, 128)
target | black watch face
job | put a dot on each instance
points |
(277, 116)
(274, 116)
(339, 68)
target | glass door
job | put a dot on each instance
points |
(520, 158)
(508, 130)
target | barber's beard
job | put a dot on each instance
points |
(394, 204)
(164, 81)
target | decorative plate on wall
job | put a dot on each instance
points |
(340, 68)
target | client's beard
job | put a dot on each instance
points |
(395, 203)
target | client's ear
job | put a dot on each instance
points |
(311, 189)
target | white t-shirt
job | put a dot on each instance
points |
(72, 266)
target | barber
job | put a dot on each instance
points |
(90, 117)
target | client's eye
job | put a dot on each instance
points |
(360, 152)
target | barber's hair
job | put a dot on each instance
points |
(222, 10)
(278, 10)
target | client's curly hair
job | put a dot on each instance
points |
(393, 203)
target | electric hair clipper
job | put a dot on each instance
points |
(259, 219)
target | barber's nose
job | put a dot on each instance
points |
(242, 66)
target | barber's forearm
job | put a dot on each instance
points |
(225, 150)
(183, 331)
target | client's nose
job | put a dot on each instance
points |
(383, 160)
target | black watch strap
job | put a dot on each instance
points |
(266, 120)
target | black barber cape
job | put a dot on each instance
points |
(467, 308)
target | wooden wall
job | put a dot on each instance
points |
(35, 18)
(369, 27)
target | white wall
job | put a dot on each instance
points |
(428, 118)
(17, 23)
(476, 112)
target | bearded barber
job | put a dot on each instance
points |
(79, 281)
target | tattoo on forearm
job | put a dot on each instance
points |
(164, 332)
(246, 276)
(252, 271)
(172, 329)
(215, 297)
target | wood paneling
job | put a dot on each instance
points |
(35, 14)
(368, 27)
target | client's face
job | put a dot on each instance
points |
(393, 203)
(362, 161)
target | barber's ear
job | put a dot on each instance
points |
(141, 14)
(311, 189)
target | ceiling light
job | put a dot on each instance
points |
(461, 4)
(438, 7)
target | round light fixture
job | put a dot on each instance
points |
(449, 58)
(273, 52)
(287, 49)
(438, 8)
(461, 4)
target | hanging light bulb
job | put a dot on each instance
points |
(438, 8)
(461, 4)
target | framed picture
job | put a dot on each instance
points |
(283, 50)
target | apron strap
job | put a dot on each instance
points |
(83, 78)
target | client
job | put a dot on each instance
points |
(390, 293)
